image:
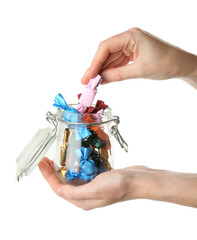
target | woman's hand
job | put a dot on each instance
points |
(126, 184)
(150, 58)
(107, 188)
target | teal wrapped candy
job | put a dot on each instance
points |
(94, 140)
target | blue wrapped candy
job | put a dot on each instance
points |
(87, 165)
(88, 168)
(71, 116)
(61, 103)
(72, 175)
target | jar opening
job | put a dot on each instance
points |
(84, 118)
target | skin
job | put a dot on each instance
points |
(150, 57)
(133, 54)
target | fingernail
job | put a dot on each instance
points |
(85, 76)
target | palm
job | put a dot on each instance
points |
(105, 189)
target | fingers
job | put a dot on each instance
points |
(86, 191)
(107, 47)
(86, 204)
(125, 61)
(87, 196)
(47, 172)
(49, 162)
(69, 192)
(120, 72)
(114, 63)
(112, 57)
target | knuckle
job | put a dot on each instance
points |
(102, 44)
(136, 30)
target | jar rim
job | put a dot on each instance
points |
(106, 115)
(106, 112)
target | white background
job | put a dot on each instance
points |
(45, 47)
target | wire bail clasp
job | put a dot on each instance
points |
(51, 118)
(115, 132)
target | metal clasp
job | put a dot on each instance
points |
(51, 118)
(115, 132)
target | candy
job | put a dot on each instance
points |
(71, 175)
(61, 103)
(88, 119)
(104, 154)
(98, 143)
(97, 159)
(83, 153)
(70, 116)
(85, 177)
(88, 167)
(63, 171)
(100, 105)
(100, 133)
(81, 133)
(94, 140)
(107, 165)
(88, 94)
(67, 136)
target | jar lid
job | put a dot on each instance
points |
(36, 149)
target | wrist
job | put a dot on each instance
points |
(147, 184)
(186, 67)
(167, 186)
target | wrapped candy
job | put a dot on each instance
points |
(67, 135)
(63, 171)
(101, 134)
(72, 175)
(107, 165)
(97, 158)
(104, 154)
(61, 104)
(88, 94)
(87, 166)
(94, 140)
(99, 107)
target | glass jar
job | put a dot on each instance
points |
(82, 145)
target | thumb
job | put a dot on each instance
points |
(121, 73)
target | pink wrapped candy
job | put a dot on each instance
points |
(88, 94)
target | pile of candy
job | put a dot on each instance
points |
(91, 156)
